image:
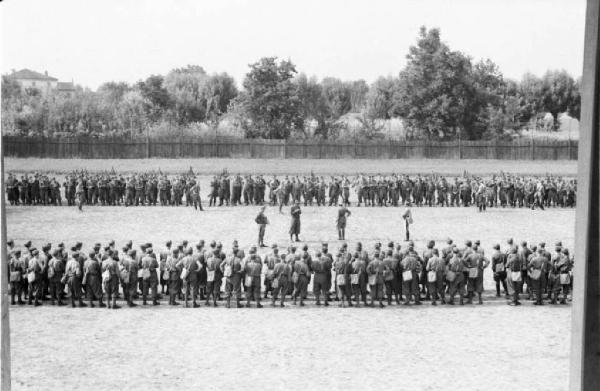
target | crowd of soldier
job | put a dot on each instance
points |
(158, 189)
(192, 272)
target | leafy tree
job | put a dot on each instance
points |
(269, 106)
(380, 99)
(559, 92)
(435, 89)
(157, 98)
(358, 95)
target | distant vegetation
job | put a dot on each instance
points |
(440, 94)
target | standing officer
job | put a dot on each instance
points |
(358, 278)
(189, 275)
(514, 265)
(408, 220)
(456, 277)
(56, 272)
(295, 226)
(92, 279)
(73, 272)
(213, 276)
(302, 275)
(375, 271)
(173, 268)
(262, 222)
(110, 278)
(343, 214)
(342, 269)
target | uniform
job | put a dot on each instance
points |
(253, 270)
(281, 274)
(411, 266)
(436, 270)
(232, 271)
(110, 279)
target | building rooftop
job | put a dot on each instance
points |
(31, 75)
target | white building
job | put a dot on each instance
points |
(31, 79)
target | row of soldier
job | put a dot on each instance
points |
(191, 273)
(153, 188)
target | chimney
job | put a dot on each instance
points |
(46, 73)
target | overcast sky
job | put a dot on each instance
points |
(127, 40)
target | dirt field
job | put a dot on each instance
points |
(293, 166)
(426, 348)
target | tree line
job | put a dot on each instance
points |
(440, 94)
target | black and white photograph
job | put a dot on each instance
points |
(300, 195)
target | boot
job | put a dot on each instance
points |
(258, 305)
(109, 305)
(92, 304)
(72, 302)
(102, 305)
(238, 304)
(82, 304)
(228, 305)
(195, 305)
(114, 304)
(131, 303)
(155, 302)
(214, 302)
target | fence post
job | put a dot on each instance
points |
(285, 148)
(147, 147)
(532, 149)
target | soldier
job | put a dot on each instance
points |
(270, 261)
(17, 269)
(253, 270)
(300, 277)
(499, 270)
(231, 268)
(110, 278)
(535, 267)
(358, 277)
(34, 278)
(343, 269)
(295, 226)
(162, 266)
(375, 271)
(563, 266)
(281, 279)
(213, 276)
(411, 267)
(189, 275)
(92, 279)
(455, 277)
(327, 263)
(149, 276)
(436, 270)
(514, 264)
(343, 214)
(56, 272)
(172, 270)
(74, 274)
(262, 222)
(195, 192)
(408, 220)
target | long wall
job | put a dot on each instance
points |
(120, 148)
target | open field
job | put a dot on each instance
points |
(295, 166)
(472, 347)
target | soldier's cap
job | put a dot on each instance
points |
(468, 243)
(180, 246)
(559, 244)
(185, 242)
(305, 247)
(129, 243)
(378, 245)
(318, 254)
(111, 243)
(143, 246)
(542, 244)
(523, 243)
(235, 243)
(61, 245)
(496, 246)
(431, 243)
(47, 246)
(73, 248)
(389, 253)
(435, 251)
(219, 245)
(189, 251)
(106, 248)
(175, 250)
(131, 252)
(168, 243)
(513, 249)
(97, 245)
(540, 250)
(411, 243)
(148, 244)
(55, 253)
(27, 244)
(358, 245)
(201, 242)
(449, 241)
(213, 243)
(274, 245)
(478, 242)
(79, 244)
(324, 245)
(92, 254)
(509, 241)
(18, 253)
(10, 242)
(565, 251)
(124, 249)
(149, 250)
(345, 245)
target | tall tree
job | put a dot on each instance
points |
(269, 106)
(559, 92)
(380, 99)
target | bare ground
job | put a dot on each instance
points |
(298, 166)
(472, 347)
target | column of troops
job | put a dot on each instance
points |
(153, 188)
(195, 273)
